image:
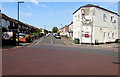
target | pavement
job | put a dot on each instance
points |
(8, 47)
(65, 41)
(70, 42)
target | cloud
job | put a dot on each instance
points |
(28, 6)
(34, 1)
(4, 11)
(45, 6)
(25, 14)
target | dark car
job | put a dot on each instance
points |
(57, 36)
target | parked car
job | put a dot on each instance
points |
(23, 37)
(57, 36)
(54, 34)
(7, 35)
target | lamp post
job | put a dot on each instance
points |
(18, 20)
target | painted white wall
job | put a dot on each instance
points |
(108, 27)
(71, 27)
(77, 25)
(119, 27)
(71, 30)
(98, 25)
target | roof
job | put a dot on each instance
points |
(90, 5)
(71, 23)
(16, 21)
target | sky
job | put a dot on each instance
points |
(51, 14)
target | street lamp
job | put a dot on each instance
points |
(18, 19)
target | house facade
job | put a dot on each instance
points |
(10, 24)
(64, 30)
(94, 24)
(71, 29)
(119, 26)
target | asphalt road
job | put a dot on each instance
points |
(52, 56)
(51, 40)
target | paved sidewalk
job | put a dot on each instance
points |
(20, 45)
(72, 44)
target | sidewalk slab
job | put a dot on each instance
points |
(72, 44)
(20, 45)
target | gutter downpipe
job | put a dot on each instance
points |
(92, 30)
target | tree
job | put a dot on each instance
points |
(38, 31)
(55, 29)
(45, 31)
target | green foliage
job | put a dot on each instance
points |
(35, 33)
(45, 31)
(118, 42)
(38, 31)
(58, 33)
(74, 41)
(66, 36)
(55, 29)
(49, 31)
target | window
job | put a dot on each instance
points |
(104, 35)
(75, 18)
(19, 26)
(112, 18)
(108, 35)
(104, 17)
(113, 35)
(78, 17)
(13, 24)
(83, 12)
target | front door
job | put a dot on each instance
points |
(105, 37)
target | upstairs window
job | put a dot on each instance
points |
(83, 12)
(104, 17)
(78, 17)
(113, 19)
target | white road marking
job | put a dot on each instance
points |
(51, 41)
(36, 43)
(39, 41)
(67, 44)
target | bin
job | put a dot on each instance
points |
(76, 41)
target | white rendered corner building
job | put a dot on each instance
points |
(94, 24)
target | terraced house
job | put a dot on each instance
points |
(94, 24)
(10, 24)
